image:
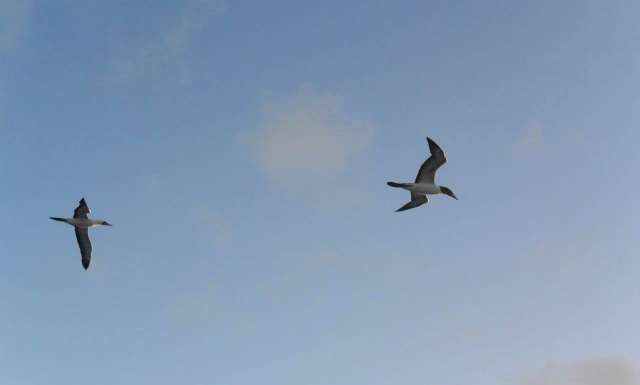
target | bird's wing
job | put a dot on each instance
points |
(82, 235)
(417, 199)
(82, 210)
(427, 173)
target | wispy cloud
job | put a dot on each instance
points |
(530, 139)
(13, 22)
(308, 138)
(166, 54)
(536, 138)
(211, 306)
(588, 372)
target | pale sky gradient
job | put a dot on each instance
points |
(241, 150)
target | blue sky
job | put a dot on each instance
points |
(241, 151)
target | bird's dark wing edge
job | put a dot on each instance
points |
(82, 210)
(82, 236)
(416, 200)
(427, 172)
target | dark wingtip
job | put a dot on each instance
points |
(412, 204)
(409, 205)
(434, 148)
(85, 264)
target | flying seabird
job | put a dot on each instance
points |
(425, 180)
(82, 224)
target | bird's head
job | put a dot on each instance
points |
(447, 191)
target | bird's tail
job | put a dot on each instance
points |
(394, 184)
(58, 219)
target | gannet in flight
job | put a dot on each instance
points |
(425, 181)
(82, 224)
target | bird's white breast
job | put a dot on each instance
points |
(82, 222)
(424, 188)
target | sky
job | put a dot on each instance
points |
(241, 150)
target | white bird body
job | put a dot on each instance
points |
(84, 223)
(423, 188)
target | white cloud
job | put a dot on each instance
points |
(306, 138)
(589, 372)
(13, 22)
(166, 53)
